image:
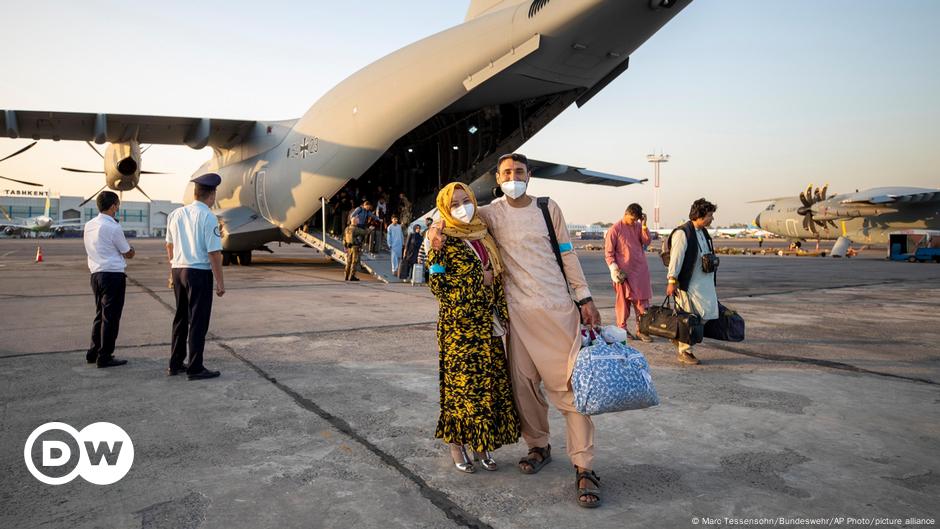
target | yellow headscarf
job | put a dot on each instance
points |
(475, 230)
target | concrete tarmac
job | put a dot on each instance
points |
(325, 411)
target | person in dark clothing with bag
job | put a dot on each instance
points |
(352, 241)
(692, 267)
(412, 247)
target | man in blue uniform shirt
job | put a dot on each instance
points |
(194, 249)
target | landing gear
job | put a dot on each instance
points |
(234, 258)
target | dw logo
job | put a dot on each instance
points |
(102, 453)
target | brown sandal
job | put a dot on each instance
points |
(534, 464)
(588, 491)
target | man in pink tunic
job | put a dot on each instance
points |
(624, 249)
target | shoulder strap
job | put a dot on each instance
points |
(543, 205)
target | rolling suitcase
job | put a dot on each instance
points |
(417, 274)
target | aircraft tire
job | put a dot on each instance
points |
(226, 258)
(244, 258)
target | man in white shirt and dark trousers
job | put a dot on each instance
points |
(107, 248)
(194, 248)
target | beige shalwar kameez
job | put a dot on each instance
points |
(544, 323)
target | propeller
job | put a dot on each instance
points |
(809, 198)
(17, 153)
(86, 171)
(145, 194)
(34, 184)
(87, 200)
(92, 147)
(73, 170)
(21, 151)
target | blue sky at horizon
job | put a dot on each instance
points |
(751, 100)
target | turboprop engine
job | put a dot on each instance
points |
(122, 165)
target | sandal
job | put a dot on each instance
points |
(588, 491)
(486, 460)
(534, 464)
(461, 460)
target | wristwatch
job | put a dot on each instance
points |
(582, 302)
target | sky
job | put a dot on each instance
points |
(751, 100)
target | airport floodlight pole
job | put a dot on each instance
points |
(656, 160)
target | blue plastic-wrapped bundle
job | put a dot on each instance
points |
(611, 377)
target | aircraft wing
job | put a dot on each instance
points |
(896, 195)
(10, 228)
(68, 227)
(194, 132)
(568, 173)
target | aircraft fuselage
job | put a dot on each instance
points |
(782, 218)
(273, 183)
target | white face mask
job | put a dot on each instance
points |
(462, 213)
(513, 188)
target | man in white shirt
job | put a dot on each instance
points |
(107, 248)
(194, 249)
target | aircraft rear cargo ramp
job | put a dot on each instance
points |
(379, 264)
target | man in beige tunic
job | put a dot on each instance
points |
(544, 322)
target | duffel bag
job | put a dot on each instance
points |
(670, 321)
(729, 327)
(610, 377)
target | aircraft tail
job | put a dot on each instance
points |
(482, 7)
(46, 213)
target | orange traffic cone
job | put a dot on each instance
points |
(39, 254)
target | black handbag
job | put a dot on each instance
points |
(670, 321)
(729, 327)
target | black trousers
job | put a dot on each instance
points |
(109, 288)
(193, 289)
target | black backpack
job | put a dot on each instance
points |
(666, 248)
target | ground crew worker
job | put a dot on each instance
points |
(194, 248)
(352, 240)
(107, 249)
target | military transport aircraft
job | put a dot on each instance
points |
(862, 217)
(443, 108)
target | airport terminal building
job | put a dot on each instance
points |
(141, 219)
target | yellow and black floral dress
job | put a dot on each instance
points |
(477, 408)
